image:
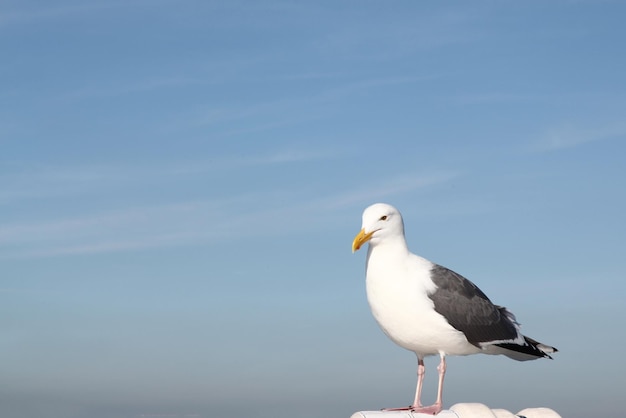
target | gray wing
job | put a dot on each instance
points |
(470, 311)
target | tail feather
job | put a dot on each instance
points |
(531, 349)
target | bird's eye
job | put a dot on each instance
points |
(383, 218)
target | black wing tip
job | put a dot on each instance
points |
(532, 348)
(543, 348)
(554, 350)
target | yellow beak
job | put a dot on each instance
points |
(360, 239)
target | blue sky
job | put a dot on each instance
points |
(180, 183)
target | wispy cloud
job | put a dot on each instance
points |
(19, 182)
(62, 10)
(494, 98)
(304, 107)
(138, 86)
(258, 116)
(399, 36)
(38, 13)
(128, 229)
(569, 136)
(357, 87)
(193, 222)
(386, 188)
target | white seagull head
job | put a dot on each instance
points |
(380, 222)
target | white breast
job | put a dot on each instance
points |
(397, 291)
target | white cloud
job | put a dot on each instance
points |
(193, 222)
(25, 15)
(131, 87)
(494, 98)
(387, 187)
(21, 182)
(569, 136)
(119, 230)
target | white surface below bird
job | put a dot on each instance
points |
(429, 309)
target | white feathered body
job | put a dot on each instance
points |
(398, 284)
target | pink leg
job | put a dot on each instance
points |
(435, 408)
(417, 402)
(442, 372)
(418, 391)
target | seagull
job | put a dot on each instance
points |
(429, 309)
